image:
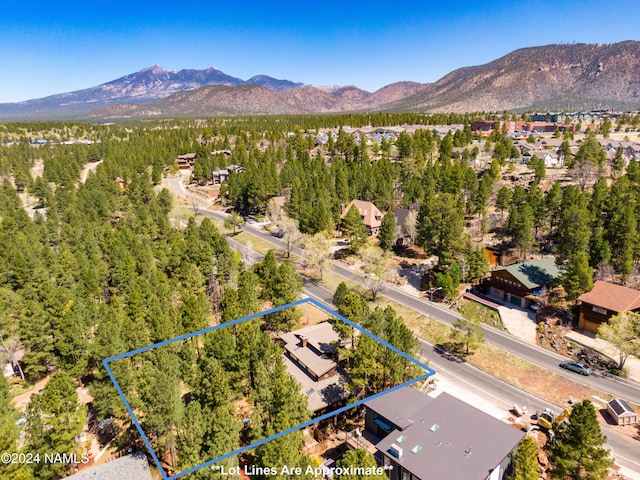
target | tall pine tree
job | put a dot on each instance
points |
(578, 451)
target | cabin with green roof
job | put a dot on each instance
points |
(523, 283)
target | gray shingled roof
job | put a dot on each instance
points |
(453, 440)
(129, 467)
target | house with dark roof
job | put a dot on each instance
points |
(423, 438)
(311, 357)
(186, 161)
(403, 237)
(604, 301)
(222, 175)
(521, 284)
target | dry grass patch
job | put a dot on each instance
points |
(311, 315)
(255, 243)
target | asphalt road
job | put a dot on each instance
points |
(498, 392)
(544, 358)
(502, 393)
(617, 387)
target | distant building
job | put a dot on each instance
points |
(425, 438)
(186, 161)
(550, 158)
(484, 128)
(312, 359)
(520, 284)
(320, 140)
(371, 216)
(604, 301)
(222, 175)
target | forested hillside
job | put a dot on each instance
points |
(98, 270)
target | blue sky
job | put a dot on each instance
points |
(53, 47)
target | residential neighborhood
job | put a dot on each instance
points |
(505, 261)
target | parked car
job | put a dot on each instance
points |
(577, 367)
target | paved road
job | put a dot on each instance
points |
(544, 358)
(626, 450)
(498, 392)
(527, 351)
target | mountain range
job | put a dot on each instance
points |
(551, 77)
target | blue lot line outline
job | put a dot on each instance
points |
(107, 361)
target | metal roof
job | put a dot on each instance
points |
(534, 273)
(412, 401)
(466, 444)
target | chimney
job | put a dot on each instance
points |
(303, 341)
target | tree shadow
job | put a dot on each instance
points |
(452, 351)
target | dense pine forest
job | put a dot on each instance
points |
(94, 268)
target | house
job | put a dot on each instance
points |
(186, 161)
(550, 158)
(484, 128)
(499, 256)
(603, 301)
(311, 357)
(522, 283)
(621, 412)
(129, 467)
(219, 176)
(422, 438)
(226, 153)
(403, 237)
(371, 216)
(320, 140)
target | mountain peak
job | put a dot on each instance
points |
(551, 77)
(273, 83)
(153, 69)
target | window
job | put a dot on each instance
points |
(602, 311)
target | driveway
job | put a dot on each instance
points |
(519, 323)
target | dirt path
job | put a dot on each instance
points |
(21, 401)
(88, 167)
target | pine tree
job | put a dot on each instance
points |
(578, 275)
(354, 229)
(525, 463)
(358, 458)
(578, 450)
(340, 294)
(54, 419)
(9, 434)
(287, 288)
(468, 330)
(387, 233)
